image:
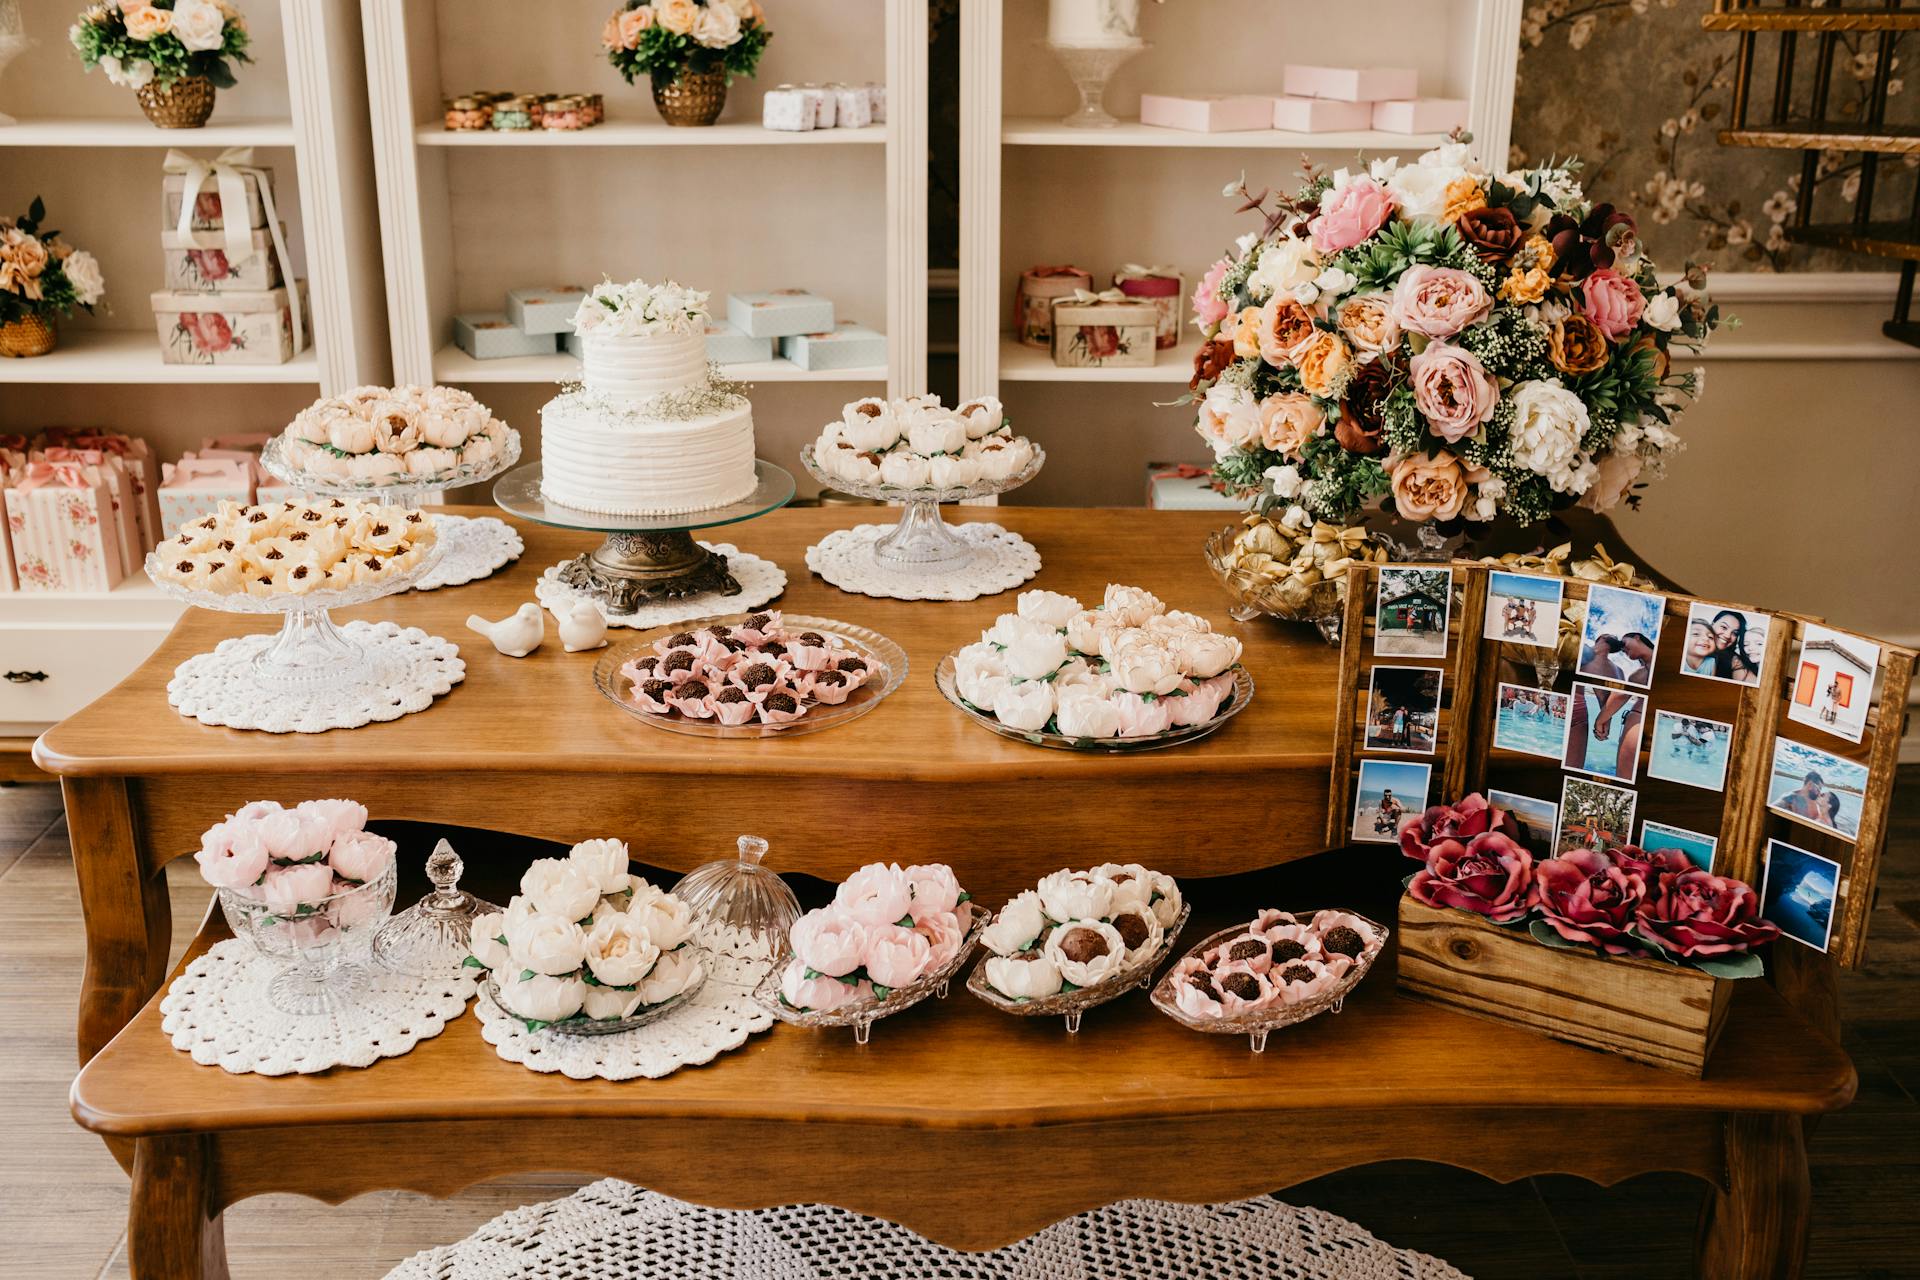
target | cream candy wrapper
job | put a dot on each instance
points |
(1017, 927)
(1024, 977)
(1084, 973)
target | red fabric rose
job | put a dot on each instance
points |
(1489, 875)
(1584, 897)
(1462, 821)
(1651, 866)
(1696, 913)
(211, 263)
(1102, 340)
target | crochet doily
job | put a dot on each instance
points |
(217, 1011)
(1001, 561)
(408, 670)
(474, 547)
(760, 581)
(719, 1016)
(612, 1228)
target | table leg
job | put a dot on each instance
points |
(125, 906)
(170, 1234)
(1755, 1227)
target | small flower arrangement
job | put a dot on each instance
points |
(1075, 929)
(294, 860)
(887, 928)
(1652, 904)
(637, 309)
(42, 275)
(1459, 342)
(666, 38)
(156, 42)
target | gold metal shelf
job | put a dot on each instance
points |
(1826, 135)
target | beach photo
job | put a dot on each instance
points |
(1384, 793)
(1724, 643)
(1689, 751)
(1698, 847)
(1410, 620)
(1604, 730)
(1834, 683)
(1403, 709)
(1621, 635)
(1531, 721)
(1535, 816)
(1594, 815)
(1797, 891)
(1524, 608)
(1816, 787)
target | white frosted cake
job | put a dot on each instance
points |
(647, 433)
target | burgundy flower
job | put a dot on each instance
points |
(1696, 913)
(1489, 875)
(1102, 340)
(1360, 428)
(1584, 897)
(1651, 865)
(1462, 821)
(1209, 362)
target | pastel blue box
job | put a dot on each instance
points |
(848, 345)
(576, 345)
(779, 314)
(545, 310)
(492, 336)
(727, 345)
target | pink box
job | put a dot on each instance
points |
(1219, 114)
(143, 470)
(1321, 115)
(112, 469)
(1420, 115)
(61, 524)
(1351, 84)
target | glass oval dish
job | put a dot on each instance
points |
(392, 488)
(1071, 1004)
(862, 1014)
(889, 659)
(584, 1026)
(1257, 1024)
(943, 678)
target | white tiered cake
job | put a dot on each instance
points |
(648, 433)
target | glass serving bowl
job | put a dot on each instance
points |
(580, 1025)
(943, 678)
(326, 941)
(923, 542)
(862, 1014)
(401, 491)
(1289, 600)
(887, 660)
(742, 899)
(1071, 1004)
(1257, 1024)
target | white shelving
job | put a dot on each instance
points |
(92, 357)
(1021, 363)
(451, 364)
(651, 133)
(1047, 131)
(85, 131)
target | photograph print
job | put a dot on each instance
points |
(1410, 620)
(1384, 793)
(1604, 730)
(1724, 643)
(1621, 635)
(1403, 709)
(1698, 847)
(1815, 787)
(1834, 682)
(1594, 815)
(1535, 816)
(1797, 892)
(1689, 751)
(1524, 608)
(1531, 721)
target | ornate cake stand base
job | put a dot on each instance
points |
(403, 669)
(475, 547)
(994, 561)
(732, 581)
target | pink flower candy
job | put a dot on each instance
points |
(231, 856)
(1198, 705)
(818, 994)
(877, 894)
(1293, 990)
(1142, 715)
(649, 693)
(829, 688)
(1438, 301)
(1452, 390)
(361, 856)
(1268, 918)
(355, 908)
(811, 657)
(1612, 302)
(827, 941)
(896, 957)
(287, 889)
(692, 698)
(1303, 934)
(779, 704)
(288, 838)
(1350, 214)
(255, 810)
(943, 935)
(1195, 1001)
(935, 891)
(1242, 990)
(1208, 309)
(336, 817)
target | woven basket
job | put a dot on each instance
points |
(27, 336)
(692, 98)
(184, 104)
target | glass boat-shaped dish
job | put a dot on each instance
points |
(1257, 1024)
(943, 677)
(1071, 1004)
(862, 1014)
(584, 1026)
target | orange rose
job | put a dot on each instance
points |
(1530, 274)
(147, 22)
(1429, 486)
(632, 23)
(610, 34)
(1324, 363)
(1463, 195)
(1283, 325)
(677, 16)
(1576, 345)
(1288, 421)
(1367, 321)
(1246, 333)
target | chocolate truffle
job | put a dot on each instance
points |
(1203, 983)
(833, 678)
(1083, 945)
(1287, 949)
(731, 694)
(758, 621)
(720, 632)
(1296, 973)
(680, 638)
(812, 638)
(1247, 949)
(782, 701)
(693, 689)
(678, 661)
(1344, 941)
(656, 689)
(1132, 929)
(647, 666)
(758, 675)
(774, 649)
(853, 666)
(1242, 984)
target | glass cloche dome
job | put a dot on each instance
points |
(743, 897)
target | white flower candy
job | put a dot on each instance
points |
(1049, 608)
(1075, 895)
(979, 672)
(620, 951)
(543, 998)
(483, 939)
(1166, 905)
(546, 944)
(1132, 884)
(1088, 628)
(1085, 951)
(869, 425)
(603, 861)
(1023, 979)
(1086, 713)
(1204, 655)
(1017, 926)
(904, 469)
(608, 1002)
(950, 472)
(668, 920)
(1009, 627)
(1131, 606)
(1145, 667)
(1034, 657)
(676, 971)
(559, 888)
(981, 416)
(932, 435)
(1026, 706)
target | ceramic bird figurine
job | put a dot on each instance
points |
(582, 627)
(516, 636)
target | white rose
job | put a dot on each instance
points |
(1075, 895)
(717, 27)
(1086, 629)
(933, 435)
(1335, 282)
(1663, 313)
(998, 464)
(1146, 668)
(1229, 418)
(1084, 973)
(668, 920)
(1286, 481)
(1166, 902)
(1049, 608)
(1181, 620)
(1035, 657)
(1009, 627)
(604, 862)
(1284, 263)
(1016, 927)
(541, 998)
(1023, 979)
(981, 416)
(1548, 423)
(676, 971)
(620, 951)
(199, 24)
(484, 939)
(111, 65)
(979, 673)
(1132, 885)
(1204, 655)
(1086, 713)
(1024, 706)
(546, 944)
(904, 470)
(608, 1002)
(1130, 606)
(556, 887)
(138, 74)
(951, 472)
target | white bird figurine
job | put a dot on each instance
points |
(517, 635)
(583, 627)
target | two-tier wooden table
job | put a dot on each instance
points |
(968, 1126)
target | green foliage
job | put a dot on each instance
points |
(1382, 260)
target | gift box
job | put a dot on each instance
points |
(1321, 115)
(12, 465)
(1420, 115)
(257, 327)
(1350, 84)
(1187, 486)
(576, 346)
(209, 211)
(787, 109)
(60, 522)
(491, 335)
(727, 345)
(545, 310)
(112, 471)
(192, 268)
(852, 107)
(195, 487)
(143, 471)
(848, 345)
(1214, 113)
(1033, 299)
(779, 314)
(1104, 331)
(240, 442)
(1165, 288)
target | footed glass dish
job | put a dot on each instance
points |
(944, 680)
(1071, 1004)
(325, 941)
(431, 938)
(922, 543)
(861, 1014)
(1257, 1024)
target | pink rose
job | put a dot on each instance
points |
(1207, 307)
(288, 836)
(1472, 816)
(287, 889)
(1696, 913)
(254, 810)
(334, 818)
(1613, 477)
(211, 263)
(818, 994)
(877, 894)
(1452, 390)
(1651, 865)
(1489, 875)
(1584, 897)
(1349, 214)
(209, 330)
(1428, 486)
(1612, 302)
(1438, 301)
(935, 891)
(827, 942)
(362, 856)
(632, 23)
(1142, 715)
(896, 957)
(231, 856)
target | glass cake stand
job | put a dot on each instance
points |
(473, 547)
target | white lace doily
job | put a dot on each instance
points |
(474, 547)
(217, 1011)
(760, 581)
(1001, 561)
(615, 1229)
(409, 669)
(720, 1016)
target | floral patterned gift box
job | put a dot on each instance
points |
(60, 521)
(196, 487)
(143, 469)
(111, 470)
(191, 268)
(1105, 330)
(256, 327)
(1033, 299)
(208, 214)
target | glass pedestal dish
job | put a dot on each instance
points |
(1090, 67)
(1069, 1005)
(323, 942)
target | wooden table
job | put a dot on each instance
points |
(1012, 1124)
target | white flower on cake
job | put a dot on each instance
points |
(637, 309)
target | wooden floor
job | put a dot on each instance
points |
(63, 1200)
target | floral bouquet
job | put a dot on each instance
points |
(41, 276)
(637, 309)
(157, 42)
(1462, 342)
(668, 38)
(1653, 904)
(888, 930)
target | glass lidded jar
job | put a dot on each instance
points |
(515, 113)
(564, 113)
(468, 113)
(745, 905)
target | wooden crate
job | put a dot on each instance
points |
(1661, 1014)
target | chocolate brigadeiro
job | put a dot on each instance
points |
(1344, 940)
(656, 689)
(1132, 929)
(679, 660)
(731, 694)
(1287, 949)
(1242, 984)
(782, 701)
(647, 666)
(758, 621)
(1248, 949)
(1082, 945)
(758, 675)
(834, 678)
(1203, 983)
(853, 666)
(1296, 973)
(693, 689)
(813, 638)
(774, 649)
(681, 638)
(720, 632)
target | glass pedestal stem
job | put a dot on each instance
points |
(922, 539)
(309, 651)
